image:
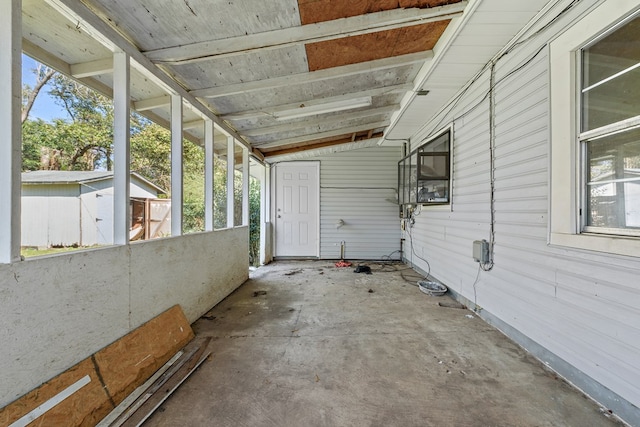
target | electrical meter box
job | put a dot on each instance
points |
(481, 251)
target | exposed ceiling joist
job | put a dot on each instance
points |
(193, 124)
(291, 150)
(320, 135)
(151, 103)
(328, 30)
(275, 109)
(93, 68)
(315, 76)
(322, 121)
(258, 154)
(92, 24)
(59, 65)
(45, 57)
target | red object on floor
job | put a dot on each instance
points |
(343, 263)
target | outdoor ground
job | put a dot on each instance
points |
(307, 344)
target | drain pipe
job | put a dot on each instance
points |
(342, 245)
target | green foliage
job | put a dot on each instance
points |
(254, 222)
(36, 134)
(193, 187)
(83, 143)
(151, 154)
(219, 193)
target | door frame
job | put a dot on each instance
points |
(274, 203)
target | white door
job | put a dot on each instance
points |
(297, 209)
(104, 218)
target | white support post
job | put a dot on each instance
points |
(267, 210)
(208, 175)
(231, 152)
(121, 148)
(10, 129)
(264, 171)
(245, 186)
(176, 165)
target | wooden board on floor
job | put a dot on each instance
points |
(127, 363)
(84, 407)
(194, 355)
(87, 392)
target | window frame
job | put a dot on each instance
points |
(587, 137)
(415, 156)
(567, 168)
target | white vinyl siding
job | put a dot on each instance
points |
(581, 306)
(355, 187)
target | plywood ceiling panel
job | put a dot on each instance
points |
(313, 11)
(369, 47)
(156, 24)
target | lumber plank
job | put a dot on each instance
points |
(166, 385)
(128, 362)
(113, 373)
(83, 408)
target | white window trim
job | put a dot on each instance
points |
(565, 180)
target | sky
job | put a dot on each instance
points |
(44, 108)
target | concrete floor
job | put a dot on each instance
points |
(308, 344)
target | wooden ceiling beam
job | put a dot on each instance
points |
(312, 33)
(92, 24)
(275, 109)
(303, 124)
(152, 103)
(313, 77)
(323, 135)
(317, 145)
(93, 68)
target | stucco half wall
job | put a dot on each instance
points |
(58, 310)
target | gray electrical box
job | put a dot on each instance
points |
(481, 251)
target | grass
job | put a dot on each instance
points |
(32, 252)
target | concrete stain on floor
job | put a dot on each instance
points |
(303, 343)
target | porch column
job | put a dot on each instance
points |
(10, 129)
(266, 228)
(231, 151)
(208, 175)
(121, 148)
(264, 171)
(176, 165)
(245, 186)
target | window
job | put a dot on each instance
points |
(609, 135)
(424, 175)
(595, 131)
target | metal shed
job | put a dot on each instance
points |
(73, 208)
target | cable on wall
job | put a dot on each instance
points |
(492, 166)
(450, 106)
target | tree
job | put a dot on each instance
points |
(83, 143)
(36, 136)
(29, 95)
(151, 154)
(88, 137)
(254, 222)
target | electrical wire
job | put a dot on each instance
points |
(490, 93)
(475, 294)
(450, 106)
(413, 252)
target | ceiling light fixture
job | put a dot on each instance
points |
(329, 107)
